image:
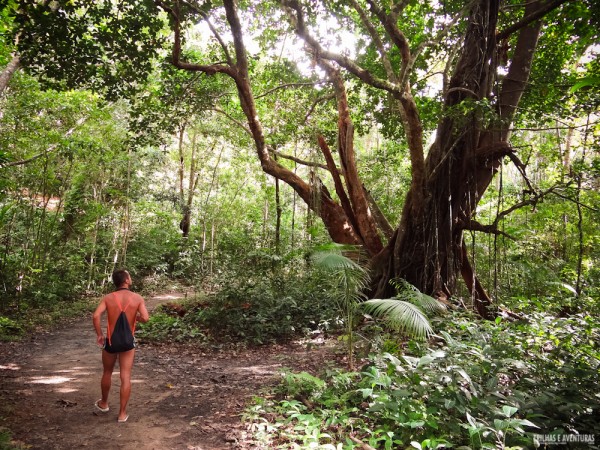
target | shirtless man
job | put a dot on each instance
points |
(135, 309)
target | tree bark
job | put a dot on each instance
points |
(8, 72)
(460, 166)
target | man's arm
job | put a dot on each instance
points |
(96, 320)
(142, 315)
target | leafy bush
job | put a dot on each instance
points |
(163, 327)
(260, 298)
(19, 321)
(266, 298)
(476, 385)
(9, 329)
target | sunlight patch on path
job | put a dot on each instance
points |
(169, 296)
(10, 366)
(50, 380)
(261, 369)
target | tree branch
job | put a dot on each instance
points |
(344, 61)
(423, 45)
(318, 100)
(339, 186)
(286, 85)
(210, 69)
(408, 108)
(387, 64)
(298, 160)
(565, 197)
(238, 37)
(533, 200)
(513, 85)
(380, 219)
(473, 225)
(234, 120)
(271, 150)
(398, 8)
(8, 72)
(461, 89)
(391, 27)
(521, 168)
(212, 29)
(544, 9)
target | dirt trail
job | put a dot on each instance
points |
(182, 398)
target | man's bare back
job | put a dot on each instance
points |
(133, 305)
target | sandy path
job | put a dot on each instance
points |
(181, 397)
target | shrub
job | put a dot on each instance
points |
(9, 329)
(476, 384)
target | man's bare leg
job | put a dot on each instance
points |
(108, 364)
(125, 366)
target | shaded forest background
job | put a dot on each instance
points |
(163, 178)
(128, 139)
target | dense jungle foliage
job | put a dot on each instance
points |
(142, 165)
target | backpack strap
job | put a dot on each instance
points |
(123, 310)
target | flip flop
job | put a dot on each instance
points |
(99, 408)
(123, 420)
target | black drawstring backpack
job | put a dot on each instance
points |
(121, 339)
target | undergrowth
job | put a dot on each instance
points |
(258, 302)
(28, 318)
(262, 318)
(6, 442)
(474, 385)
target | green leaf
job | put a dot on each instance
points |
(509, 411)
(585, 82)
(472, 421)
(367, 392)
(566, 286)
(401, 393)
(408, 292)
(527, 423)
(334, 261)
(416, 423)
(401, 316)
(500, 424)
(425, 360)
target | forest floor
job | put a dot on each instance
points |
(183, 396)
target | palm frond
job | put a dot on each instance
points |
(334, 261)
(347, 283)
(428, 304)
(408, 292)
(563, 285)
(401, 315)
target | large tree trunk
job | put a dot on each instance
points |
(460, 165)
